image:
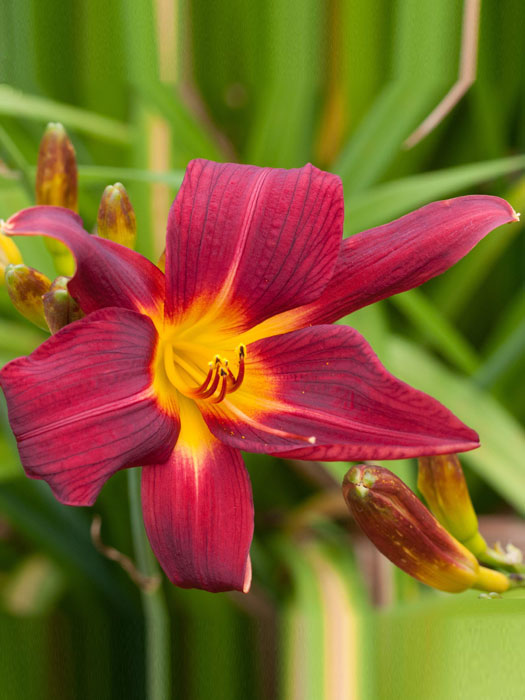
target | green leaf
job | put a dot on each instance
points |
(283, 129)
(327, 607)
(454, 290)
(8, 146)
(509, 352)
(15, 103)
(444, 646)
(19, 338)
(63, 533)
(370, 321)
(102, 175)
(33, 587)
(500, 458)
(397, 110)
(424, 59)
(435, 328)
(393, 199)
(191, 138)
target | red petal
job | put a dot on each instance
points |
(81, 405)
(198, 512)
(107, 274)
(251, 242)
(326, 383)
(398, 256)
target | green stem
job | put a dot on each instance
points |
(158, 647)
(491, 557)
(18, 160)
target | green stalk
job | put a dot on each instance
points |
(158, 647)
(18, 160)
(498, 560)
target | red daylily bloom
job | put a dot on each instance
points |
(231, 349)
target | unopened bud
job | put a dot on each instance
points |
(60, 308)
(57, 184)
(408, 534)
(116, 217)
(56, 174)
(443, 485)
(26, 287)
(9, 255)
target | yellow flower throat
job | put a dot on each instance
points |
(183, 366)
(185, 374)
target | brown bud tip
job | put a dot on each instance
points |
(404, 530)
(60, 308)
(116, 218)
(26, 287)
(56, 174)
(9, 255)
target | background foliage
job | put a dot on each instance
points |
(142, 87)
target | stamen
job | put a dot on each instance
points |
(219, 381)
(202, 392)
(202, 388)
(235, 383)
(222, 392)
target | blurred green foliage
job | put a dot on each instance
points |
(144, 86)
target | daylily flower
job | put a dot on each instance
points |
(231, 349)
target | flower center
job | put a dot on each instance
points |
(187, 370)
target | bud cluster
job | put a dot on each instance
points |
(404, 530)
(49, 305)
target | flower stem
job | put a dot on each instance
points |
(500, 560)
(156, 616)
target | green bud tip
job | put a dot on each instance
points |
(362, 479)
(55, 127)
(61, 295)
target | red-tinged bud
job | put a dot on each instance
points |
(26, 287)
(405, 531)
(443, 485)
(60, 308)
(56, 174)
(116, 217)
(57, 184)
(9, 255)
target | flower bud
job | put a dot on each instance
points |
(408, 534)
(116, 217)
(26, 287)
(443, 485)
(56, 184)
(56, 174)
(60, 308)
(9, 255)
